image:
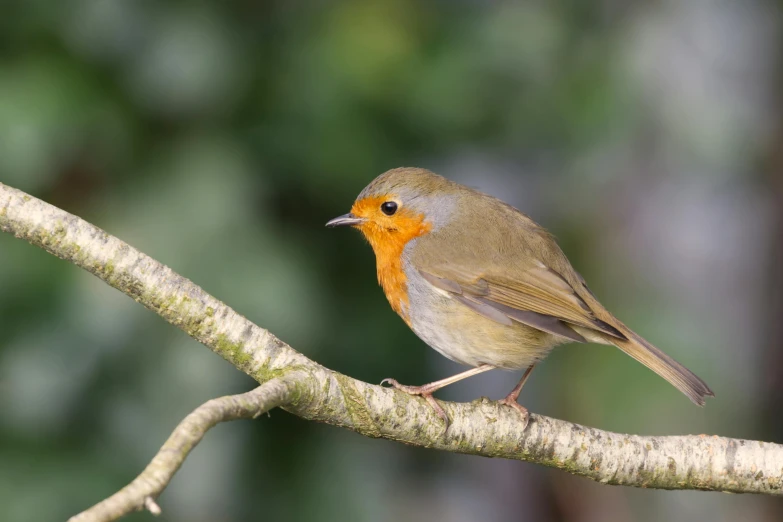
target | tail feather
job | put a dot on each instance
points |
(678, 375)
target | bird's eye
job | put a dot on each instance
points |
(389, 208)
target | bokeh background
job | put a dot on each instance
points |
(219, 137)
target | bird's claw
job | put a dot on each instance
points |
(410, 390)
(423, 392)
(521, 409)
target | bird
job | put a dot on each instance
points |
(485, 285)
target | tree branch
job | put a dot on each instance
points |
(142, 492)
(480, 427)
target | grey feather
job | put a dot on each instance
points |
(487, 310)
(543, 322)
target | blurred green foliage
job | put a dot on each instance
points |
(219, 137)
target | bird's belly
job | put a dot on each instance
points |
(469, 338)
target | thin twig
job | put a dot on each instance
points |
(142, 492)
(151, 506)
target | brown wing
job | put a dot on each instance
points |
(538, 297)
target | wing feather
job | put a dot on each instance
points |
(540, 298)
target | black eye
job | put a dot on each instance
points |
(389, 208)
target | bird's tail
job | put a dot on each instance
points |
(678, 375)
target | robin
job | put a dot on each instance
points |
(484, 285)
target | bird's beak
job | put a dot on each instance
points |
(347, 220)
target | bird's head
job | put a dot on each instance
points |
(398, 206)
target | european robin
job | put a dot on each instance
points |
(483, 284)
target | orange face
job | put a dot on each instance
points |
(388, 226)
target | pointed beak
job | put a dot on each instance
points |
(347, 220)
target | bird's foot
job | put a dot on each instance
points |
(512, 402)
(425, 392)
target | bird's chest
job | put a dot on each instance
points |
(392, 248)
(394, 282)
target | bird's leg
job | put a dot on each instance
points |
(511, 398)
(427, 390)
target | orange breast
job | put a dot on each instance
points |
(388, 245)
